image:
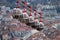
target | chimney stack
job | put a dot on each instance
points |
(40, 17)
(30, 9)
(24, 5)
(35, 12)
(18, 3)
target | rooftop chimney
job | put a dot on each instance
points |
(24, 5)
(30, 9)
(40, 17)
(18, 3)
(35, 11)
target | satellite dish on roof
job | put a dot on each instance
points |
(41, 23)
(27, 1)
